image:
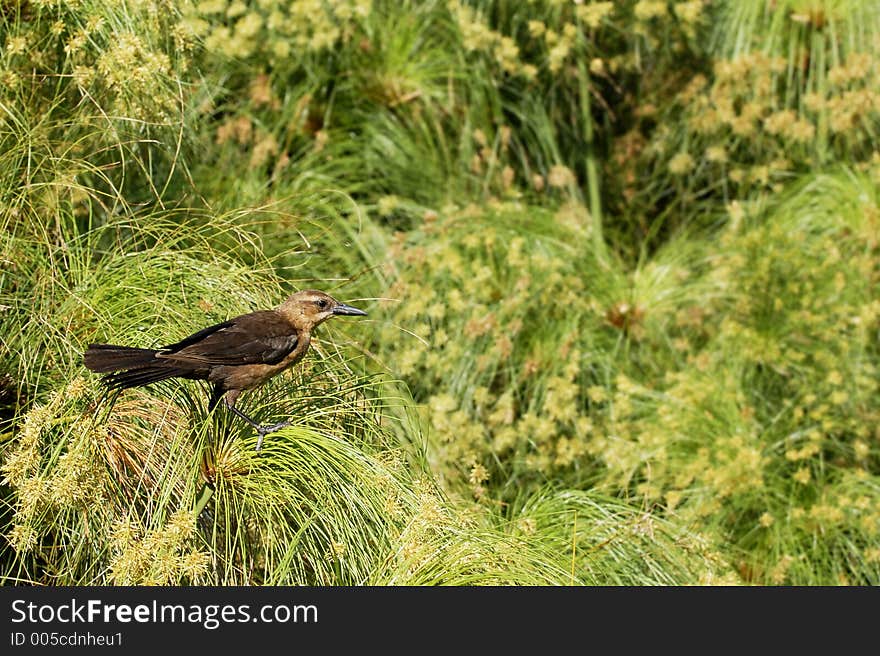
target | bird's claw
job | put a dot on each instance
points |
(262, 431)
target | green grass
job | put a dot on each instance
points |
(620, 261)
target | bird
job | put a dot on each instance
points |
(236, 355)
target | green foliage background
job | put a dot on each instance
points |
(620, 259)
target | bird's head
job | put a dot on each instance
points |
(309, 307)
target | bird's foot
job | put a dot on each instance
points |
(262, 431)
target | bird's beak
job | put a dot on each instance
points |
(344, 309)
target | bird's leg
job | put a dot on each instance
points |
(216, 394)
(262, 431)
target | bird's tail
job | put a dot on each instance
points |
(103, 358)
(133, 366)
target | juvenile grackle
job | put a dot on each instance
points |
(236, 355)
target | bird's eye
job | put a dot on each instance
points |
(322, 303)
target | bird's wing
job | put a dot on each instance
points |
(195, 338)
(257, 338)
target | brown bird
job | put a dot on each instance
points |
(236, 355)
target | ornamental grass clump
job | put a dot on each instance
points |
(790, 89)
(92, 100)
(144, 488)
(766, 437)
(525, 347)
